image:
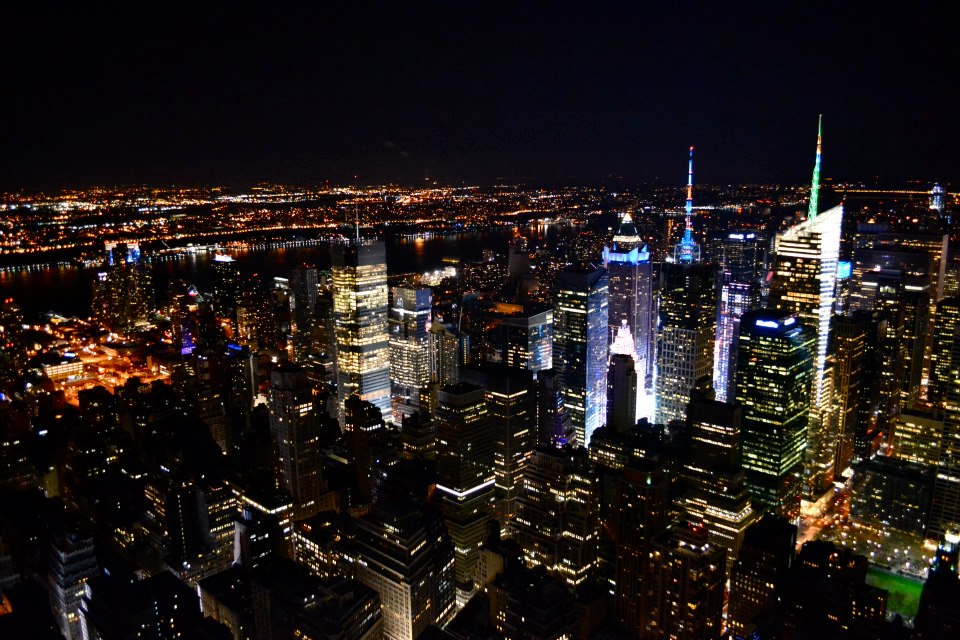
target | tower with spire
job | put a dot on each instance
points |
(804, 284)
(687, 251)
(632, 311)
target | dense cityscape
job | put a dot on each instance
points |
(436, 320)
(631, 414)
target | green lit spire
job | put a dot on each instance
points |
(815, 185)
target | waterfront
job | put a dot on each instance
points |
(66, 290)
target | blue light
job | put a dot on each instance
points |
(844, 269)
(769, 324)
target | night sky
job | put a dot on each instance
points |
(474, 92)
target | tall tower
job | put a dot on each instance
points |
(688, 316)
(740, 257)
(360, 322)
(687, 251)
(804, 284)
(580, 346)
(409, 345)
(774, 371)
(465, 476)
(295, 427)
(632, 301)
(622, 393)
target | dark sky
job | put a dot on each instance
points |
(474, 91)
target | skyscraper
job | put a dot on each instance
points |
(512, 411)
(688, 583)
(686, 337)
(409, 346)
(765, 558)
(304, 289)
(621, 393)
(804, 284)
(227, 288)
(528, 339)
(360, 322)
(717, 495)
(774, 380)
(581, 346)
(558, 513)
(122, 292)
(632, 299)
(404, 554)
(465, 475)
(739, 256)
(73, 561)
(295, 427)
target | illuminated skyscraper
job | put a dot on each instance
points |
(945, 328)
(581, 347)
(765, 558)
(717, 494)
(774, 380)
(528, 339)
(227, 287)
(688, 584)
(465, 475)
(295, 426)
(512, 412)
(122, 292)
(558, 513)
(73, 561)
(740, 258)
(409, 345)
(632, 299)
(688, 314)
(360, 317)
(804, 284)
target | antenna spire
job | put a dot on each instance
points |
(356, 209)
(815, 184)
(687, 250)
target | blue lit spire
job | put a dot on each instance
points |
(688, 251)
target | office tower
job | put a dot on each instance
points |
(688, 315)
(739, 256)
(937, 198)
(898, 282)
(640, 509)
(775, 368)
(360, 322)
(295, 427)
(946, 323)
(945, 507)
(122, 292)
(717, 495)
(536, 606)
(528, 339)
(918, 434)
(622, 393)
(170, 521)
(558, 513)
(409, 347)
(553, 421)
(257, 323)
(363, 423)
(405, 555)
(227, 288)
(938, 616)
(448, 351)
(824, 595)
(765, 557)
(511, 396)
(581, 347)
(892, 494)
(73, 561)
(688, 583)
(632, 300)
(465, 475)
(804, 285)
(850, 336)
(13, 352)
(160, 608)
(303, 295)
